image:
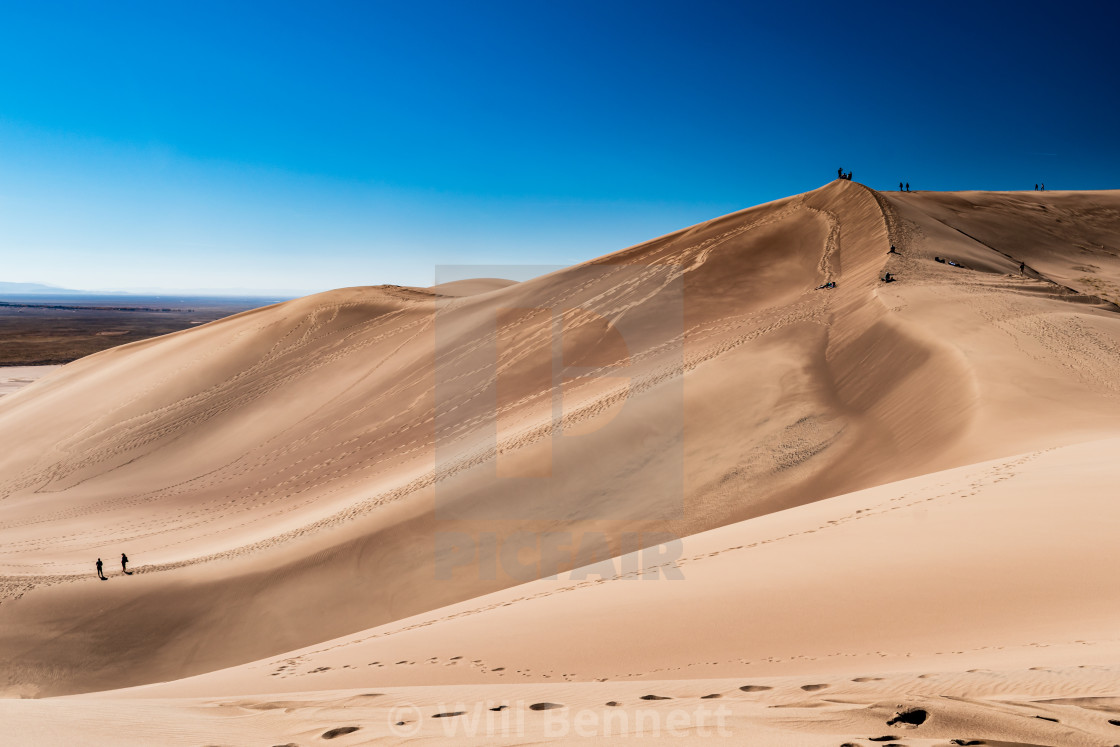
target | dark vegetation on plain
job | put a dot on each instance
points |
(42, 330)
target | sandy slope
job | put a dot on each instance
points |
(969, 594)
(472, 287)
(886, 579)
(341, 462)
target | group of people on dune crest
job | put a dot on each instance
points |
(905, 186)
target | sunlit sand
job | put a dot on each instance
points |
(391, 513)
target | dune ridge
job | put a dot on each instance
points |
(315, 455)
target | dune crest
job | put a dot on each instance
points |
(394, 454)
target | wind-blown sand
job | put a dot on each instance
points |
(892, 497)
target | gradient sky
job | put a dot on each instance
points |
(307, 146)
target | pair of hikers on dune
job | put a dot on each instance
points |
(124, 567)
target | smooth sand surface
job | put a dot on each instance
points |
(471, 287)
(14, 378)
(362, 490)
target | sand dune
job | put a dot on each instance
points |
(817, 625)
(471, 287)
(875, 480)
(894, 587)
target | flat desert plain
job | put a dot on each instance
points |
(44, 330)
(679, 493)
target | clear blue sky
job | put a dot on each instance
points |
(321, 144)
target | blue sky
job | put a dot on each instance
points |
(307, 146)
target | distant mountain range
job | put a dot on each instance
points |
(27, 289)
(40, 289)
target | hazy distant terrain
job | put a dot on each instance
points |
(36, 289)
(44, 328)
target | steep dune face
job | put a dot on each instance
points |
(1042, 352)
(352, 458)
(971, 599)
(972, 567)
(1069, 238)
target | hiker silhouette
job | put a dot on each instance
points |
(124, 564)
(100, 573)
(907, 186)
